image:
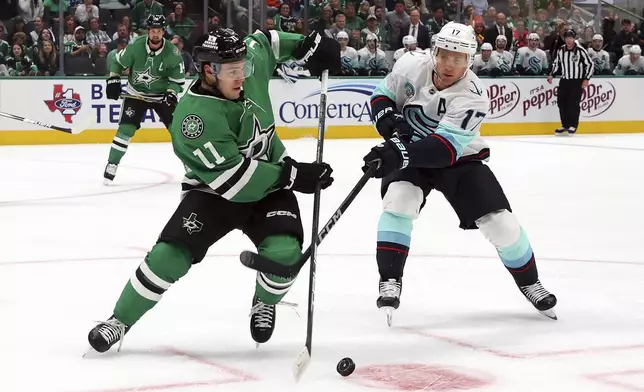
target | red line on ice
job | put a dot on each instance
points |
(604, 378)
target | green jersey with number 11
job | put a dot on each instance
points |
(230, 147)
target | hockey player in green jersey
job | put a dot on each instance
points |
(238, 174)
(156, 75)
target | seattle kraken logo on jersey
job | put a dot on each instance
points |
(373, 63)
(422, 124)
(347, 62)
(504, 64)
(599, 62)
(258, 145)
(534, 64)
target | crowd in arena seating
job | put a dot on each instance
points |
(373, 34)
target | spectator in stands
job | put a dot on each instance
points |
(631, 63)
(100, 52)
(52, 10)
(272, 7)
(95, 36)
(336, 7)
(180, 24)
(515, 17)
(484, 64)
(371, 60)
(499, 28)
(39, 28)
(284, 21)
(214, 23)
(379, 13)
(586, 37)
(625, 37)
(503, 58)
(354, 41)
(18, 27)
(479, 31)
(79, 46)
(398, 16)
(436, 23)
(541, 21)
(578, 23)
(122, 32)
(315, 8)
(490, 17)
(348, 55)
(325, 21)
(363, 11)
(416, 29)
(555, 39)
(46, 58)
(20, 38)
(299, 26)
(141, 11)
(340, 25)
(353, 22)
(29, 10)
(600, 57)
(18, 63)
(541, 34)
(608, 27)
(4, 45)
(121, 44)
(70, 27)
(188, 64)
(519, 35)
(86, 11)
(563, 14)
(469, 15)
(127, 22)
(480, 6)
(417, 5)
(372, 28)
(270, 24)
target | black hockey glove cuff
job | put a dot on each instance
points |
(305, 177)
(319, 53)
(170, 98)
(113, 87)
(389, 120)
(389, 156)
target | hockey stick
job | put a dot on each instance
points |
(304, 359)
(142, 98)
(263, 264)
(42, 124)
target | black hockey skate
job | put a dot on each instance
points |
(262, 321)
(110, 173)
(389, 299)
(560, 131)
(540, 298)
(107, 334)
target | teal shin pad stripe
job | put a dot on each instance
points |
(395, 228)
(518, 254)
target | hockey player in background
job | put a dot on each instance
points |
(156, 74)
(371, 60)
(530, 59)
(238, 174)
(484, 64)
(348, 55)
(631, 63)
(600, 57)
(503, 58)
(409, 45)
(429, 110)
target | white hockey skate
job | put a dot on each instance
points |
(541, 299)
(389, 299)
(110, 173)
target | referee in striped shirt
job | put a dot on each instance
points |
(576, 69)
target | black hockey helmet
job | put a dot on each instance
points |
(570, 33)
(155, 21)
(218, 46)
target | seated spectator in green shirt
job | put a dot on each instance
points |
(179, 24)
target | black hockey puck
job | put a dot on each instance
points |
(346, 366)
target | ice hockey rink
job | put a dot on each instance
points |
(69, 244)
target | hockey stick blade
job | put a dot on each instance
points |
(42, 124)
(263, 264)
(301, 364)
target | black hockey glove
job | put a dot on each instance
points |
(631, 72)
(305, 177)
(319, 53)
(170, 98)
(389, 122)
(495, 72)
(389, 156)
(113, 87)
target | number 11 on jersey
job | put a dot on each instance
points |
(218, 158)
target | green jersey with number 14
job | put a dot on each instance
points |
(230, 147)
(151, 72)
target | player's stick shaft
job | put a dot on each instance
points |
(305, 357)
(42, 124)
(142, 98)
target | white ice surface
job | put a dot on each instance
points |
(68, 245)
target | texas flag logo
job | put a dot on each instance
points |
(67, 102)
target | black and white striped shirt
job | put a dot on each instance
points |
(573, 63)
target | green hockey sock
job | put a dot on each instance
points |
(285, 250)
(165, 264)
(120, 143)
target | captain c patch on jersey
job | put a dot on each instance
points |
(192, 126)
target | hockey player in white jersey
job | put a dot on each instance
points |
(348, 55)
(600, 57)
(530, 59)
(484, 64)
(632, 63)
(503, 58)
(429, 110)
(372, 61)
(409, 45)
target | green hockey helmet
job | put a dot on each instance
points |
(155, 21)
(218, 47)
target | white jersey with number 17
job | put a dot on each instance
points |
(454, 113)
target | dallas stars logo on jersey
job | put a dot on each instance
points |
(146, 76)
(259, 144)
